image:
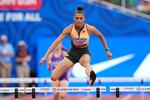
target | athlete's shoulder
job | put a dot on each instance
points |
(68, 29)
(90, 27)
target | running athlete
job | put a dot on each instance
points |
(79, 33)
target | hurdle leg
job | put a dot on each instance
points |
(16, 94)
(98, 94)
(33, 94)
(117, 94)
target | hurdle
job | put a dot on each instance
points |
(119, 89)
(73, 80)
(34, 90)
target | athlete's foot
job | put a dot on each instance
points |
(92, 78)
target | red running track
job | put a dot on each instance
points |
(78, 97)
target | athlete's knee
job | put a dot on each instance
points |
(53, 78)
(84, 62)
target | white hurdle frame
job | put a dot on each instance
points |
(51, 89)
(73, 80)
(35, 90)
(119, 89)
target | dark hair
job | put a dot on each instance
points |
(79, 9)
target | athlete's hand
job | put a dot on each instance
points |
(109, 54)
(43, 60)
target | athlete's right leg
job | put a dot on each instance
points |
(61, 67)
(56, 94)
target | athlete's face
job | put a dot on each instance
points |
(79, 19)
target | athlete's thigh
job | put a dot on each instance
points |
(85, 58)
(61, 67)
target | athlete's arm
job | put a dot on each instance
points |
(65, 32)
(93, 30)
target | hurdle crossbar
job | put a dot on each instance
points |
(51, 89)
(73, 80)
(130, 88)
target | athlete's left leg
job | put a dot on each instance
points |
(85, 61)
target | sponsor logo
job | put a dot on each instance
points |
(129, 88)
(54, 89)
(44, 89)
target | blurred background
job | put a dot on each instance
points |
(29, 27)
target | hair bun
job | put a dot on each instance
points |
(79, 8)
